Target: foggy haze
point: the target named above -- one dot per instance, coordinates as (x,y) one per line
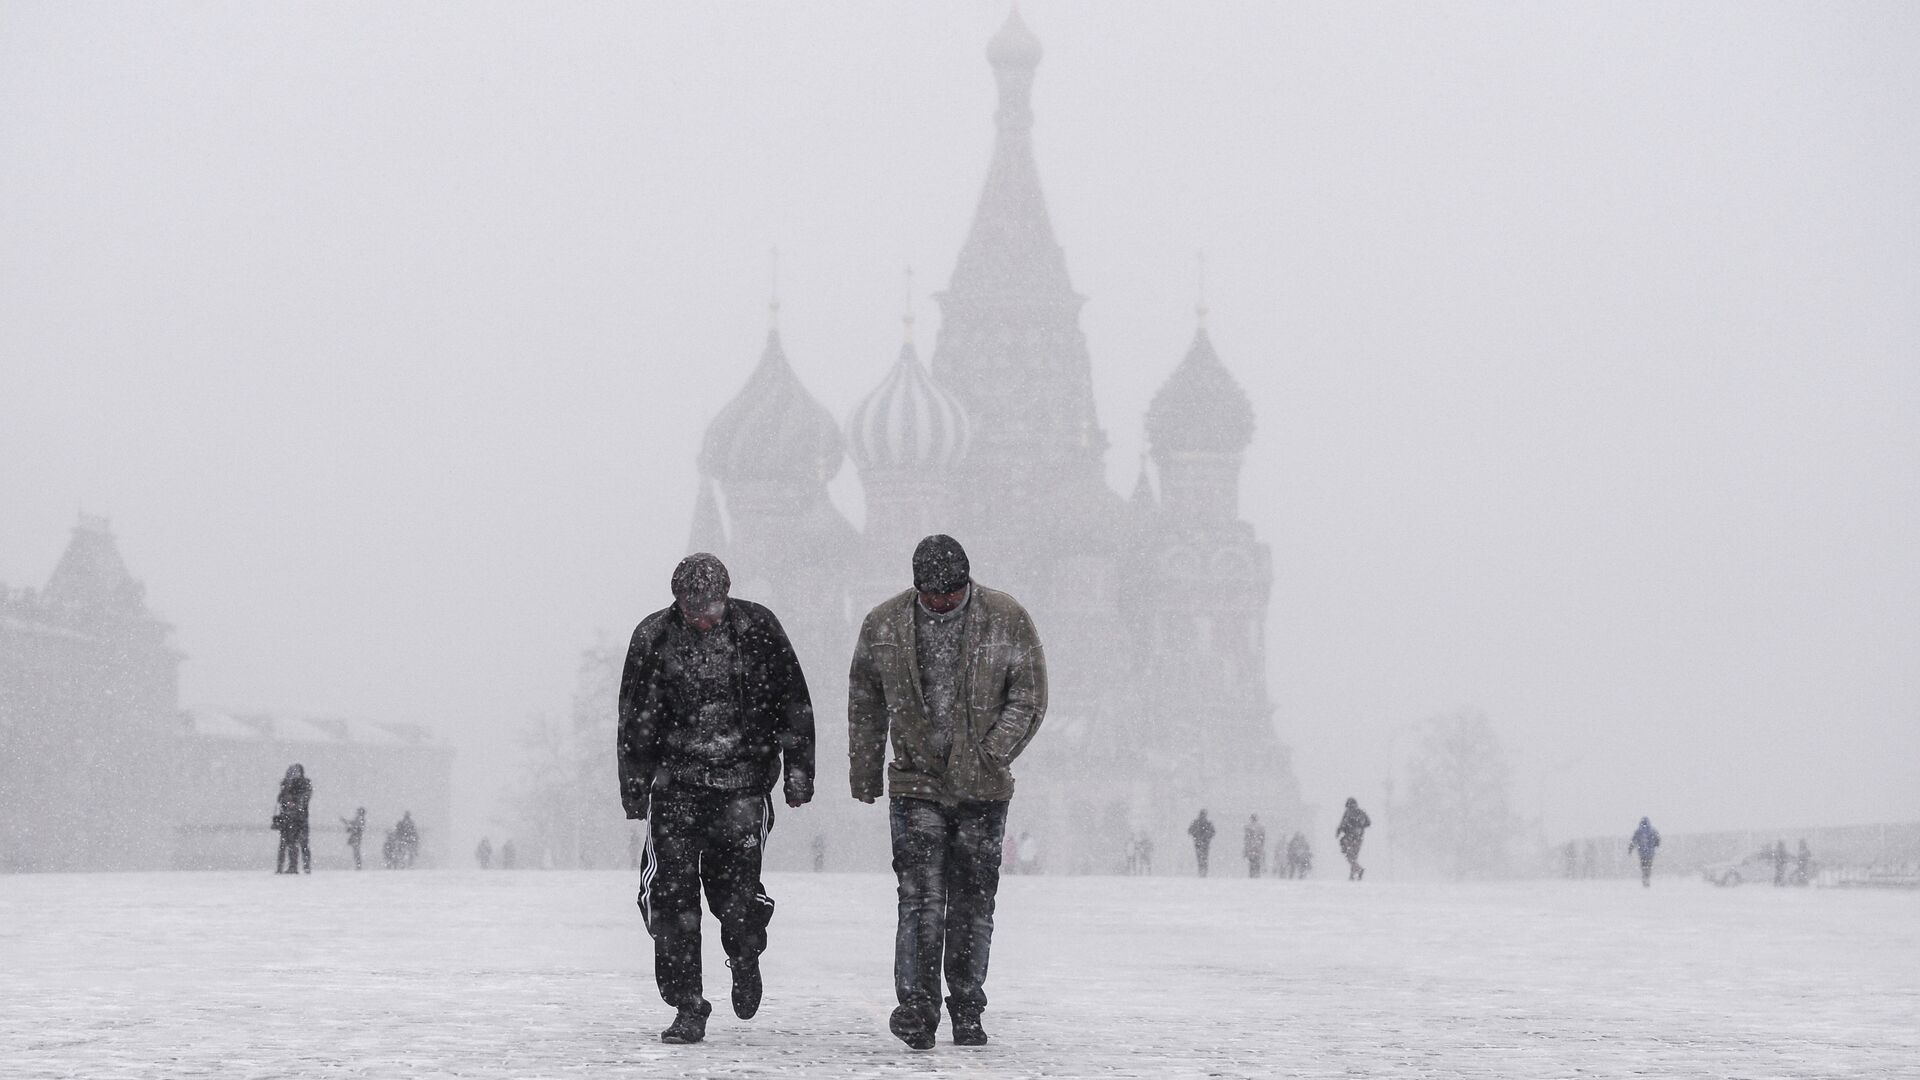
(1581,343)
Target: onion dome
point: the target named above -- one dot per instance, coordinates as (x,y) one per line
(772,430)
(908,422)
(1014,45)
(1200,408)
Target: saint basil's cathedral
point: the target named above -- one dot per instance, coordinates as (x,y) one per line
(1152,607)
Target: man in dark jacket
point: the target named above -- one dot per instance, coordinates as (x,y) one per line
(1352,830)
(1202,832)
(953,674)
(713,711)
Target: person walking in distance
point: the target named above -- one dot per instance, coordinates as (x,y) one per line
(483,853)
(1202,832)
(714,712)
(952,673)
(296,794)
(356,832)
(1645,839)
(406,841)
(1299,856)
(1352,830)
(1254,846)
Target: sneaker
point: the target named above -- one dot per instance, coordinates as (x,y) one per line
(967,1031)
(911,1026)
(689,1024)
(746,986)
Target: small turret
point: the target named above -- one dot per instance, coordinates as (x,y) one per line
(1198,427)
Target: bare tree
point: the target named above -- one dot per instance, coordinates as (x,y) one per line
(565,811)
(1457,814)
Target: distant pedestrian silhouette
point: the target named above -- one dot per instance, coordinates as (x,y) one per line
(1645,839)
(290,818)
(356,831)
(1028,853)
(1254,846)
(483,854)
(1351,832)
(1299,855)
(1202,832)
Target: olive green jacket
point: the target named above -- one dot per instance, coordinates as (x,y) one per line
(1002,696)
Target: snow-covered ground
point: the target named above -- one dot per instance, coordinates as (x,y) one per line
(549,974)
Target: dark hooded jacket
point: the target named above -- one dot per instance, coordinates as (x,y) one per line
(668,733)
(1645,839)
(1353,824)
(296,793)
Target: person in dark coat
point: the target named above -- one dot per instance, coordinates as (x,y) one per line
(714,712)
(483,853)
(296,793)
(1254,846)
(1645,840)
(356,832)
(1202,832)
(1351,831)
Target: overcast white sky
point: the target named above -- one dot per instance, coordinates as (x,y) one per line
(1582,339)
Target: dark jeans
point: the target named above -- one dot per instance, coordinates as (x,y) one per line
(700,837)
(948,861)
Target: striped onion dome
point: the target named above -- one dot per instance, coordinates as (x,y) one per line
(908,422)
(773,429)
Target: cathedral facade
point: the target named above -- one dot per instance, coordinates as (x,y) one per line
(1152,607)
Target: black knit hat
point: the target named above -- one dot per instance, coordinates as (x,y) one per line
(939,565)
(701,576)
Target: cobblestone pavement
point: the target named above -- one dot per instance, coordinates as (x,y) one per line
(549,975)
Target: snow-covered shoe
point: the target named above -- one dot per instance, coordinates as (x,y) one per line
(746,986)
(689,1024)
(911,1027)
(967,1030)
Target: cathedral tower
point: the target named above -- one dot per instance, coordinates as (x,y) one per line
(1202,583)
(1010,343)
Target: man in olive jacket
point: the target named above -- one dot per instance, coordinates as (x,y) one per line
(714,712)
(954,673)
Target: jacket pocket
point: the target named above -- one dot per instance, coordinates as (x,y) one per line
(993,778)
